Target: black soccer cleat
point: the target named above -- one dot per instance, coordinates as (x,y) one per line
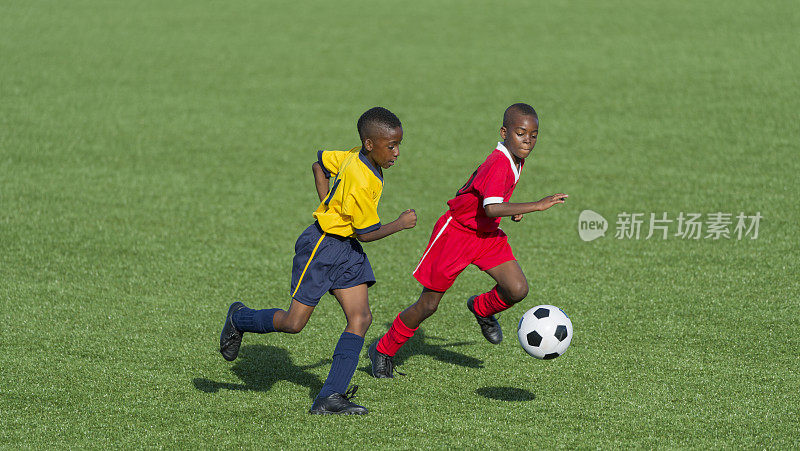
(338,404)
(231,338)
(382,364)
(489,326)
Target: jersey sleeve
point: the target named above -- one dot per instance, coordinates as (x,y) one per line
(491,183)
(360,206)
(330,161)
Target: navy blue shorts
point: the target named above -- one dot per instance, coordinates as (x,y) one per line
(325,263)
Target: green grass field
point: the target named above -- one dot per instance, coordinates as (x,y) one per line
(155,166)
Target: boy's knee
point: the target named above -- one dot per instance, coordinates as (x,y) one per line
(361,321)
(516,292)
(429,307)
(293,327)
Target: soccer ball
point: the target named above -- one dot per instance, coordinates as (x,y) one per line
(545,332)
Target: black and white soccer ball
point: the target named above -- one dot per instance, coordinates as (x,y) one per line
(545,332)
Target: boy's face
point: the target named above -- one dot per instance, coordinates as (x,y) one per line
(519,135)
(383,147)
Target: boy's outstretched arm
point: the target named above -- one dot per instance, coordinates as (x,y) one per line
(407,220)
(320,180)
(516,209)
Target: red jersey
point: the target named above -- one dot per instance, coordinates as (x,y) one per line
(492,183)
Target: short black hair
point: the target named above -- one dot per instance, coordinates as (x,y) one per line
(518,108)
(374,117)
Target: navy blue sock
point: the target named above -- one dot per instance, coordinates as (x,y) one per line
(345,360)
(258,321)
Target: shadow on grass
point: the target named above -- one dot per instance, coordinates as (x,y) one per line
(423,344)
(506,393)
(260,366)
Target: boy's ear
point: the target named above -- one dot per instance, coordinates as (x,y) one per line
(368,144)
(503,131)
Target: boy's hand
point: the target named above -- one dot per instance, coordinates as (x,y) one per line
(549,201)
(408,219)
(517,217)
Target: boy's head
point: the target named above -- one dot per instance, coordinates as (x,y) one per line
(381,132)
(520,129)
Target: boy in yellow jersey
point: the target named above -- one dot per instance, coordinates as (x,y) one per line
(329,258)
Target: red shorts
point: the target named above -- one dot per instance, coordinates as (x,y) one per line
(453,247)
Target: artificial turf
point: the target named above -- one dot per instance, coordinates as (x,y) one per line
(155,166)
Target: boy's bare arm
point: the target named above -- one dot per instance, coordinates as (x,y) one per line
(320,180)
(517,209)
(407,220)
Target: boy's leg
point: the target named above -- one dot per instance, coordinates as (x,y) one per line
(407,322)
(265,321)
(402,329)
(292,321)
(332,397)
(241,319)
(512,287)
(421,310)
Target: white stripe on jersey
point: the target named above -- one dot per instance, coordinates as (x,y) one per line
(492,200)
(432,243)
(503,149)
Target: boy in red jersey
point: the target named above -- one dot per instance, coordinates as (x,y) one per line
(468,233)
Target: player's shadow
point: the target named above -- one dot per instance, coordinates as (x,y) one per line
(260,366)
(506,393)
(423,344)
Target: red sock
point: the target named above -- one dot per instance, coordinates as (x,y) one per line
(395,338)
(489,303)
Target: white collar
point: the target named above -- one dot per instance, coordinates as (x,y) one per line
(503,149)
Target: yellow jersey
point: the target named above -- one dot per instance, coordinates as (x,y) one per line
(351,205)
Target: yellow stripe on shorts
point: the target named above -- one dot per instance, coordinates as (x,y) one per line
(308,263)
